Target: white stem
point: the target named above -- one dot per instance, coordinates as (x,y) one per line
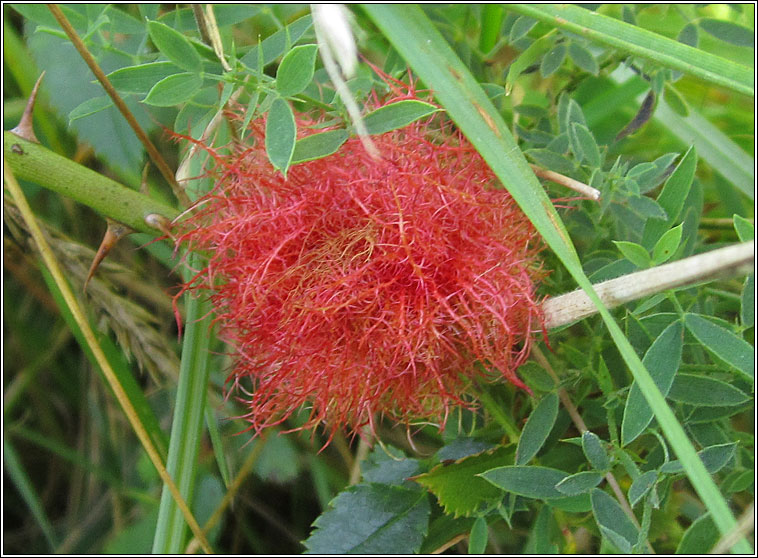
(581,187)
(568,308)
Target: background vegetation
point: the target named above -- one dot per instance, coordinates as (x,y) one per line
(664,131)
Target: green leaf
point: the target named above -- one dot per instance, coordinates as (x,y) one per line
(21,481)
(491,24)
(722,343)
(747,302)
(634,40)
(280,134)
(585,141)
(372,519)
(278,462)
(553,60)
(550,160)
(444,529)
(527,58)
(705,391)
(579,483)
(641,486)
(141,78)
(579,503)
(612,521)
(672,198)
(688,35)
(675,100)
(90,106)
(397,115)
(296,70)
(536,377)
(318,145)
(714,458)
(583,58)
(667,245)
(175,46)
(745,229)
(521,27)
(537,428)
(381,467)
(174,90)
(274,46)
(728,32)
(634,253)
(646,208)
(541,534)
(699,537)
(477,540)
(527,481)
(662,360)
(189,412)
(458,488)
(714,146)
(649,175)
(595,452)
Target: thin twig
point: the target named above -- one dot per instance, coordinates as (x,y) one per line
(576,418)
(155,155)
(581,187)
(568,308)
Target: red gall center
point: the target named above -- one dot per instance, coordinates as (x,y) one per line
(360,288)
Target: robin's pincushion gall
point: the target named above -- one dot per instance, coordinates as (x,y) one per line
(361,287)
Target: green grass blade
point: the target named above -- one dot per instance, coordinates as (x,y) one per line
(119,365)
(187,426)
(640,42)
(20,479)
(432,59)
(712,145)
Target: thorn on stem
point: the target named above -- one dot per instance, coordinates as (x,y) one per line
(115,232)
(25,128)
(161,223)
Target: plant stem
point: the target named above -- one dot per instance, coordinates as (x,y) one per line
(568,308)
(35,163)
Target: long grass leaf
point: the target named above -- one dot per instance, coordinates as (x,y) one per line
(712,145)
(432,59)
(640,42)
(118,363)
(187,426)
(25,488)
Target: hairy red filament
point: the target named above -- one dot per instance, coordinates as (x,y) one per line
(363,288)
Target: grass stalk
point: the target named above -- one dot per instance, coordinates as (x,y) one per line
(632,39)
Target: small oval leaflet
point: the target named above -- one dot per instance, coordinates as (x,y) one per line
(175,46)
(318,145)
(280,135)
(397,115)
(296,70)
(173,90)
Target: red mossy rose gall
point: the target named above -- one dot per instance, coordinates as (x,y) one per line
(364,288)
